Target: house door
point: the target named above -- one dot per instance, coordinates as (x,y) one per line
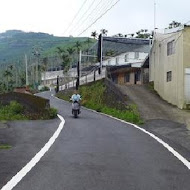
(187,85)
(135,78)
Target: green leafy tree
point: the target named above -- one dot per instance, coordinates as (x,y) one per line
(94,34)
(65,58)
(120,35)
(104,32)
(78,46)
(71,51)
(174,24)
(143,33)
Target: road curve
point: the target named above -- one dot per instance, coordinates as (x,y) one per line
(95,152)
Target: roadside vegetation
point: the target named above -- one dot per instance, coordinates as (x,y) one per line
(5,146)
(15,111)
(94,97)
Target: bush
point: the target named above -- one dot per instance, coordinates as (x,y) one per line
(44,88)
(13,111)
(52,113)
(15,107)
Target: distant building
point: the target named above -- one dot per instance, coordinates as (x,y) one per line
(128,65)
(49,78)
(170,65)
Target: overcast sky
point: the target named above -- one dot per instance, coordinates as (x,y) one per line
(55,16)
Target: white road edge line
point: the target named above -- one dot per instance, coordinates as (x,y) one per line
(167,146)
(18,177)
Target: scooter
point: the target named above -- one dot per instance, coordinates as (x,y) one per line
(75,109)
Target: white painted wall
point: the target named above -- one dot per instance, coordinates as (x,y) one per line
(121,59)
(161,63)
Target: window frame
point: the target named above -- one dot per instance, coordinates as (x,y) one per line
(126,57)
(117,60)
(169,76)
(171,48)
(127,77)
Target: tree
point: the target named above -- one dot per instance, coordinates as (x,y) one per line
(104,32)
(71,51)
(174,24)
(120,35)
(8,75)
(65,58)
(94,34)
(143,33)
(78,46)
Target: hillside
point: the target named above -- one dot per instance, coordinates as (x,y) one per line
(15,43)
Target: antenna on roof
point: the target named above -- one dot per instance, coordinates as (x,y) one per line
(154,16)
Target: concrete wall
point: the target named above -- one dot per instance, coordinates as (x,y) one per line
(186,61)
(161,63)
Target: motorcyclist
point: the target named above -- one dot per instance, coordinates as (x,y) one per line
(76,98)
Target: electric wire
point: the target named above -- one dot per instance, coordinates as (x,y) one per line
(103,7)
(75,16)
(99,17)
(83,20)
(89,7)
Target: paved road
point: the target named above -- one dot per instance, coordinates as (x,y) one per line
(95,152)
(154,107)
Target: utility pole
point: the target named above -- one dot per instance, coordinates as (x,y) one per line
(101,54)
(154,17)
(80,60)
(78,70)
(26,62)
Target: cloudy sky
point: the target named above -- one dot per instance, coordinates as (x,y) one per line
(73,17)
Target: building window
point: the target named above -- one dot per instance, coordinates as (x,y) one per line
(136,55)
(126,57)
(115,78)
(117,60)
(169,76)
(127,77)
(109,62)
(171,47)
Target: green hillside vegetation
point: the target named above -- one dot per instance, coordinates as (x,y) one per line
(50,52)
(15,43)
(93,97)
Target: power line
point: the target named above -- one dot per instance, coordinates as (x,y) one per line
(103,7)
(84,20)
(91,5)
(76,15)
(99,18)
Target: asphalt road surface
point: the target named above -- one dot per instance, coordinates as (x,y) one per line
(95,152)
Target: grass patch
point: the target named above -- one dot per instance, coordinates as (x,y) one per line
(13,111)
(93,97)
(5,146)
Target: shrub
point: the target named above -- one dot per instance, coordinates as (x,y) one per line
(15,107)
(52,113)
